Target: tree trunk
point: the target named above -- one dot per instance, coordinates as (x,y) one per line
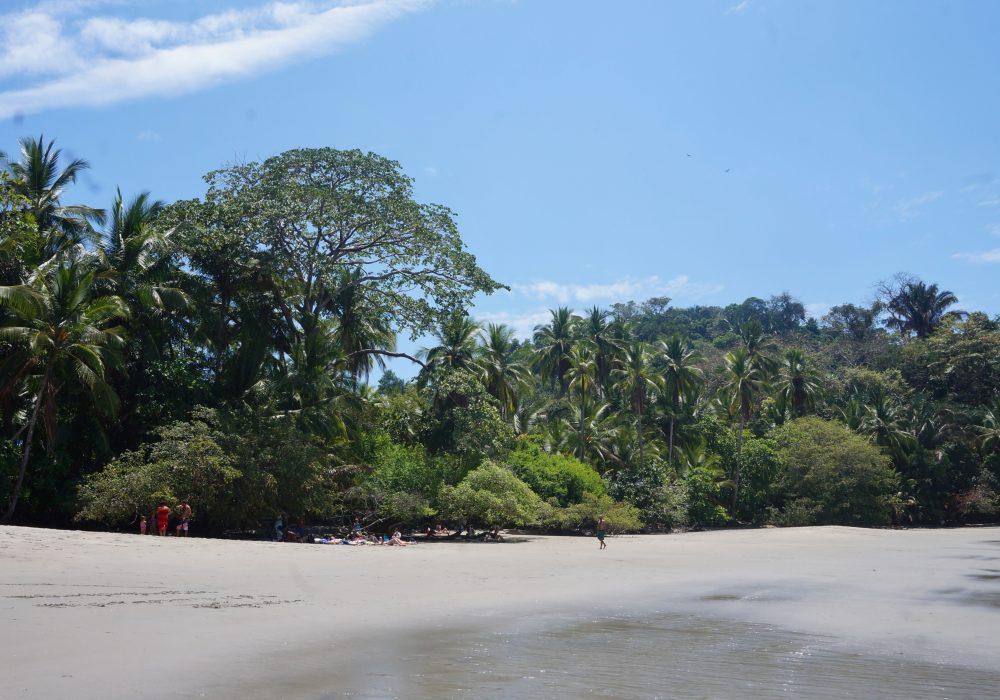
(670,450)
(642,450)
(27,454)
(739,453)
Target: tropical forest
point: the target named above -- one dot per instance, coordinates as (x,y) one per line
(242,351)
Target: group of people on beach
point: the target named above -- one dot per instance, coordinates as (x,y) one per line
(285,531)
(182,513)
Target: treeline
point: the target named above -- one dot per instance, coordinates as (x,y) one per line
(218,350)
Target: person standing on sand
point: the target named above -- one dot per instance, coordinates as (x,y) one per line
(142,524)
(184,515)
(601,527)
(162,519)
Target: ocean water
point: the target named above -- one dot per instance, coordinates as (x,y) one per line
(659,656)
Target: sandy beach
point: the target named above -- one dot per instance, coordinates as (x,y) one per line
(93,615)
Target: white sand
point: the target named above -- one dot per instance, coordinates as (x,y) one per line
(90,615)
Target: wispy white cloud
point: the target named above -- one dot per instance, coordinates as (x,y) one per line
(739,8)
(991,201)
(907,209)
(620,291)
(986,256)
(994,229)
(522,324)
(979,181)
(102,60)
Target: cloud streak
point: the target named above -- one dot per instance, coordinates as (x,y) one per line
(522,324)
(619,291)
(907,209)
(986,256)
(108,59)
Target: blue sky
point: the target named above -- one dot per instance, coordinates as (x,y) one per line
(832,143)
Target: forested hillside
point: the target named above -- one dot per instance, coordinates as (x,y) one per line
(219,350)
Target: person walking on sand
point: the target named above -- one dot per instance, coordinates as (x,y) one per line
(162,519)
(184,518)
(601,527)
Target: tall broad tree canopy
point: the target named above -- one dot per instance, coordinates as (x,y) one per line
(315,221)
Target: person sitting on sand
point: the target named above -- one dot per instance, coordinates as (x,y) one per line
(397,540)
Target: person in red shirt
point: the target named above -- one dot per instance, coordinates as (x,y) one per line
(162,519)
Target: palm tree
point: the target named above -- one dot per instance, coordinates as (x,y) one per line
(885,425)
(307,385)
(503,374)
(696,456)
(853,412)
(920,308)
(680,377)
(745,381)
(136,254)
(457,345)
(989,429)
(363,334)
(582,377)
(589,433)
(61,332)
(797,383)
(929,423)
(39,178)
(600,332)
(554,342)
(776,409)
(638,380)
(759,345)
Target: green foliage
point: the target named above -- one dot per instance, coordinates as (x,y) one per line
(831,476)
(705,496)
(189,462)
(760,465)
(468,422)
(233,468)
(961,364)
(491,495)
(271,299)
(667,507)
(557,476)
(619,517)
(405,480)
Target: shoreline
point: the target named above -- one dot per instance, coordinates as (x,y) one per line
(107,615)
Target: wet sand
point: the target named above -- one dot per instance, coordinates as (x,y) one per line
(93,615)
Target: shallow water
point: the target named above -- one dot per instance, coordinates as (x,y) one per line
(664,656)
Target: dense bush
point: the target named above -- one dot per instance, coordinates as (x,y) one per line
(234,468)
(556,476)
(491,495)
(831,475)
(619,517)
(405,480)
